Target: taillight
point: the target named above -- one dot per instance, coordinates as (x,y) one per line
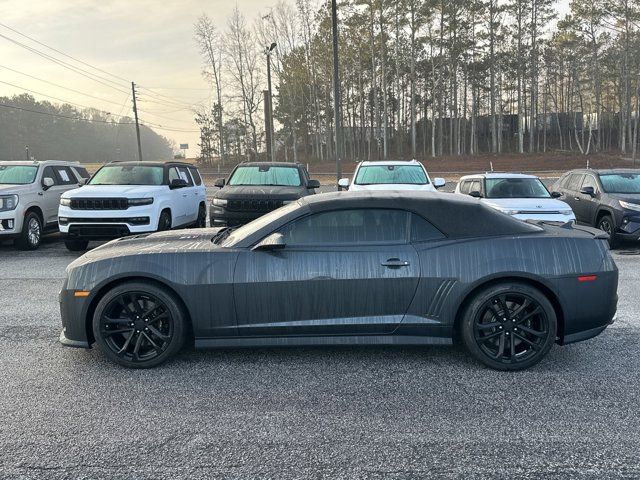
(587,278)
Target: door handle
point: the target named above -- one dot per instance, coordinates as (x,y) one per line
(576,198)
(395,263)
(184,194)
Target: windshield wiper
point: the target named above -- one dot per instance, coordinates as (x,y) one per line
(221,235)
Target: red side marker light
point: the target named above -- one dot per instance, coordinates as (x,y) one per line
(587,278)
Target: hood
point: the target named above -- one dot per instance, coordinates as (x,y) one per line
(261,191)
(162,242)
(540,205)
(15,189)
(626,197)
(100,191)
(421,188)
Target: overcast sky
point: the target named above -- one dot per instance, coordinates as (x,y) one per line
(147,41)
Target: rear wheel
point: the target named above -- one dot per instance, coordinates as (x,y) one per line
(139,325)
(164,223)
(606,225)
(202,217)
(76,245)
(31,234)
(509,326)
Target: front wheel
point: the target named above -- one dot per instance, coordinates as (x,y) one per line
(76,245)
(201,222)
(509,326)
(31,234)
(606,225)
(139,325)
(164,223)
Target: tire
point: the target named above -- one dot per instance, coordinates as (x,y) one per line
(76,245)
(201,222)
(31,233)
(164,222)
(607,225)
(501,336)
(139,325)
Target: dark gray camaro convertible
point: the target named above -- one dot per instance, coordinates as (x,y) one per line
(347,268)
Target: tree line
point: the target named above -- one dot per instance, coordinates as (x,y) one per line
(64,132)
(424,78)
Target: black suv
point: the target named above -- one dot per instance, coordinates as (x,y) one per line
(256,188)
(607,199)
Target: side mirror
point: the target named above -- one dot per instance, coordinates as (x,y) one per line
(588,191)
(275,241)
(47,183)
(83,181)
(556,194)
(220,182)
(475,194)
(343,183)
(178,183)
(313,184)
(439,182)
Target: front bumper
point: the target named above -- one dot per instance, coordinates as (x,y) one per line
(629,228)
(106,224)
(553,217)
(11,223)
(221,217)
(73,312)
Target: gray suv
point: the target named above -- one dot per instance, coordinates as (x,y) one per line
(29,198)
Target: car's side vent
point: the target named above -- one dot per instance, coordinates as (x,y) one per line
(435,308)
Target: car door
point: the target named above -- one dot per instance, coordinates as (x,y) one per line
(179,200)
(341,272)
(190,196)
(200,191)
(51,196)
(587,207)
(571,195)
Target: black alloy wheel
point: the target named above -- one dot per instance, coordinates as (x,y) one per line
(202,217)
(607,226)
(31,232)
(75,245)
(509,327)
(139,325)
(164,223)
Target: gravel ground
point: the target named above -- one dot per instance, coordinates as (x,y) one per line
(392,413)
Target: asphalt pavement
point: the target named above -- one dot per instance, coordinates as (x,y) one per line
(351,413)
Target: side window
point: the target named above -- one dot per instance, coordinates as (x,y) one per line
(64,176)
(574,182)
(476,186)
(464,187)
(185,175)
(173,174)
(345,227)
(564,180)
(422,230)
(196,175)
(82,172)
(49,173)
(589,181)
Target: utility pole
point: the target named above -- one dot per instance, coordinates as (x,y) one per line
(336,91)
(270,105)
(267,123)
(135,113)
(26,147)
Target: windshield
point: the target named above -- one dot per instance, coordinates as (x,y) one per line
(516,188)
(391,174)
(266,175)
(17,174)
(621,183)
(252,227)
(128,175)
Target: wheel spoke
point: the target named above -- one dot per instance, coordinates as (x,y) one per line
(531,331)
(490,336)
(512,348)
(125,307)
(162,316)
(136,347)
(158,333)
(534,345)
(115,320)
(108,333)
(485,326)
(502,302)
(126,344)
(521,308)
(158,348)
(532,313)
(500,346)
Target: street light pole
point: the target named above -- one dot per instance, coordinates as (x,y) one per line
(336,91)
(270,139)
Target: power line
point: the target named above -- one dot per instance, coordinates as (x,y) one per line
(59,86)
(57,115)
(62,53)
(68,66)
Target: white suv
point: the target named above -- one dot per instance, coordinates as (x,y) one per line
(522,196)
(391,175)
(29,197)
(124,198)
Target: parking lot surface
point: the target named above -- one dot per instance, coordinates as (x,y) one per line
(349,412)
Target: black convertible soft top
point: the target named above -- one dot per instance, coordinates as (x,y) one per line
(455,215)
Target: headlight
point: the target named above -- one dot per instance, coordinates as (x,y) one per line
(136,202)
(219,202)
(630,206)
(566,212)
(509,212)
(65,202)
(8,202)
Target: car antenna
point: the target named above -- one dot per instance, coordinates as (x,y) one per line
(587,163)
(491,165)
